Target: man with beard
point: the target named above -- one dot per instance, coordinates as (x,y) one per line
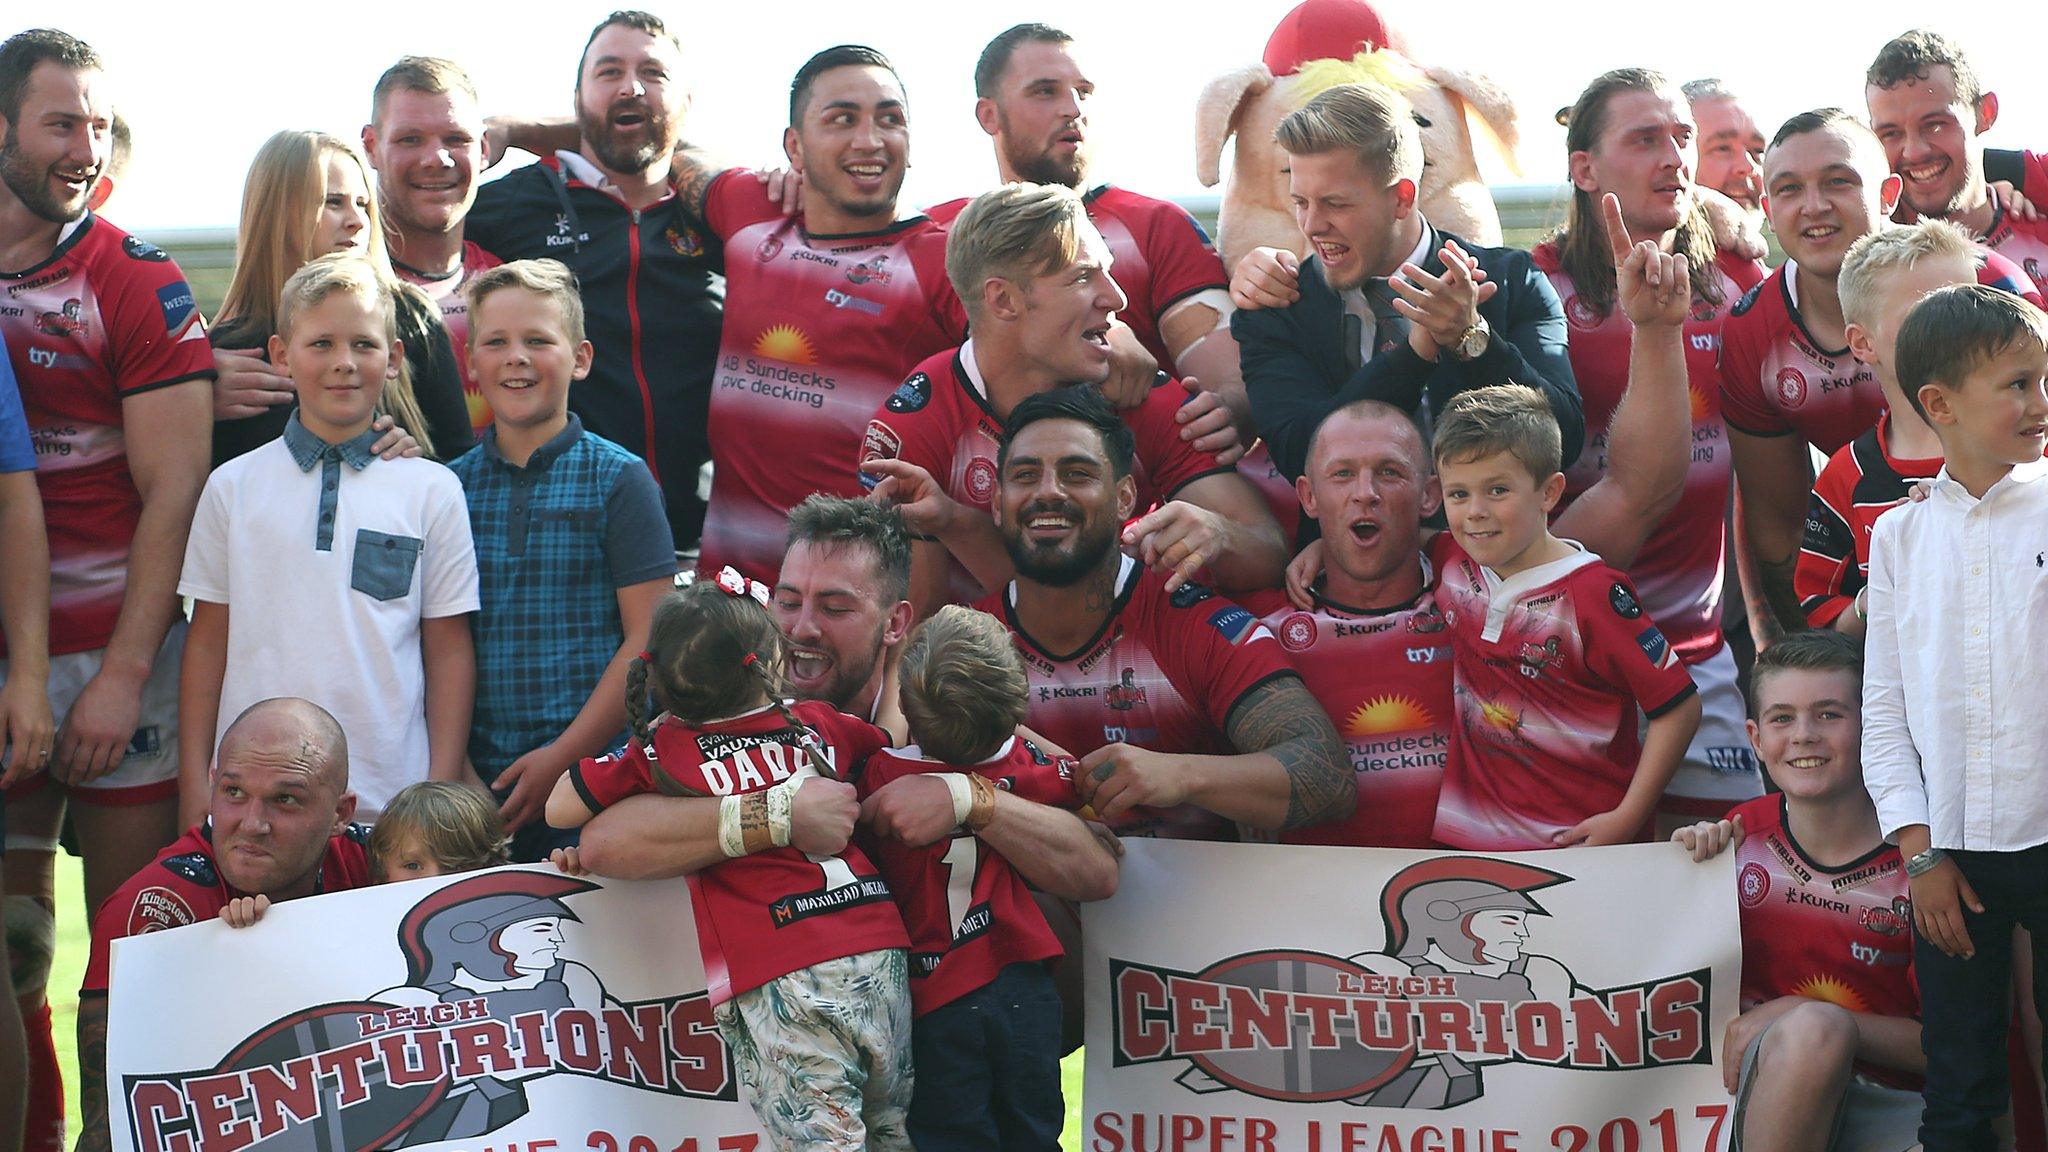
(103,333)
(278,825)
(1031,97)
(425,138)
(1180,704)
(1039,283)
(609,210)
(1930,110)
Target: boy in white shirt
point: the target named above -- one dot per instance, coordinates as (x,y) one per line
(1955,734)
(318,570)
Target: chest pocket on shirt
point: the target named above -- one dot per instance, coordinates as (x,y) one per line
(384,564)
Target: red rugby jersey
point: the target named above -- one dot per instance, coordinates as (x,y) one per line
(775,911)
(1257,466)
(941,420)
(1385,679)
(183,885)
(819,331)
(1679,568)
(1777,380)
(1552,665)
(1159,256)
(1861,482)
(2024,242)
(446,291)
(1842,934)
(968,911)
(1165,672)
(106,317)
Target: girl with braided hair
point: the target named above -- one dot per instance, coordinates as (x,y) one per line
(804,952)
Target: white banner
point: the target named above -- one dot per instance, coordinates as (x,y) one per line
(1281,999)
(516,1010)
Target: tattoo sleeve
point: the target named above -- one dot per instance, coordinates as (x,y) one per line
(693,174)
(93,1133)
(1281,719)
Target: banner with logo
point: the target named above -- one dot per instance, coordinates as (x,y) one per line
(515,1010)
(1253,999)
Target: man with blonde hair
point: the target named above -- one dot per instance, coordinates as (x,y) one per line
(1038,284)
(1387,307)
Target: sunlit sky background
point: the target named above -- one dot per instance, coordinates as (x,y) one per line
(204,85)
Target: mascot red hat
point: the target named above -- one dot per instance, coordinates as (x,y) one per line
(1328,30)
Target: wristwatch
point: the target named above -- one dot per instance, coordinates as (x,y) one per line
(1921,863)
(1472,342)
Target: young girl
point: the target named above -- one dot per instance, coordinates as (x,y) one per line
(309,194)
(432,828)
(804,953)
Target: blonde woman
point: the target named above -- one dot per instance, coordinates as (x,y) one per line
(309,194)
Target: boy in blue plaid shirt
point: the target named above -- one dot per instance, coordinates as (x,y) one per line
(572,546)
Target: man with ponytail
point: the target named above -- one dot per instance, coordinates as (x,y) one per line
(1631,137)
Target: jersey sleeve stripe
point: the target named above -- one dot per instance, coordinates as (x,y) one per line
(1691,689)
(1230,713)
(1182,486)
(203,374)
(1732,422)
(583,790)
(1167,305)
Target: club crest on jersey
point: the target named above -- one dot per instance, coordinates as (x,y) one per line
(911,395)
(1624,602)
(981,479)
(1791,386)
(1456,990)
(1892,921)
(139,249)
(1581,314)
(1535,658)
(1753,885)
(494,1001)
(770,248)
(1298,632)
(1126,694)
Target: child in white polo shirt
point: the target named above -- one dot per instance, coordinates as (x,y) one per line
(318,570)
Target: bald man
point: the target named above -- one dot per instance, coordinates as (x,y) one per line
(278,825)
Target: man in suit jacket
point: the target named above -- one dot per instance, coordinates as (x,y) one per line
(1386,307)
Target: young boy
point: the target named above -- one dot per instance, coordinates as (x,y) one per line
(573,550)
(1956,740)
(1883,275)
(986,1036)
(318,570)
(1551,649)
(1826,1053)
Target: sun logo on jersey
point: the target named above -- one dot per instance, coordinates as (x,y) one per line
(787,343)
(1831,991)
(1388,714)
(1698,401)
(1499,716)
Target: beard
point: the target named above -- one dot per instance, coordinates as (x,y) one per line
(1060,566)
(850,673)
(613,147)
(1039,167)
(31,185)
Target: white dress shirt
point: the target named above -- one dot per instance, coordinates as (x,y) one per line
(1955,682)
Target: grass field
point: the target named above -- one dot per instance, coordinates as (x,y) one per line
(70,966)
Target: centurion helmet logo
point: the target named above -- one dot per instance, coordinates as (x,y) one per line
(491,1002)
(1453,990)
